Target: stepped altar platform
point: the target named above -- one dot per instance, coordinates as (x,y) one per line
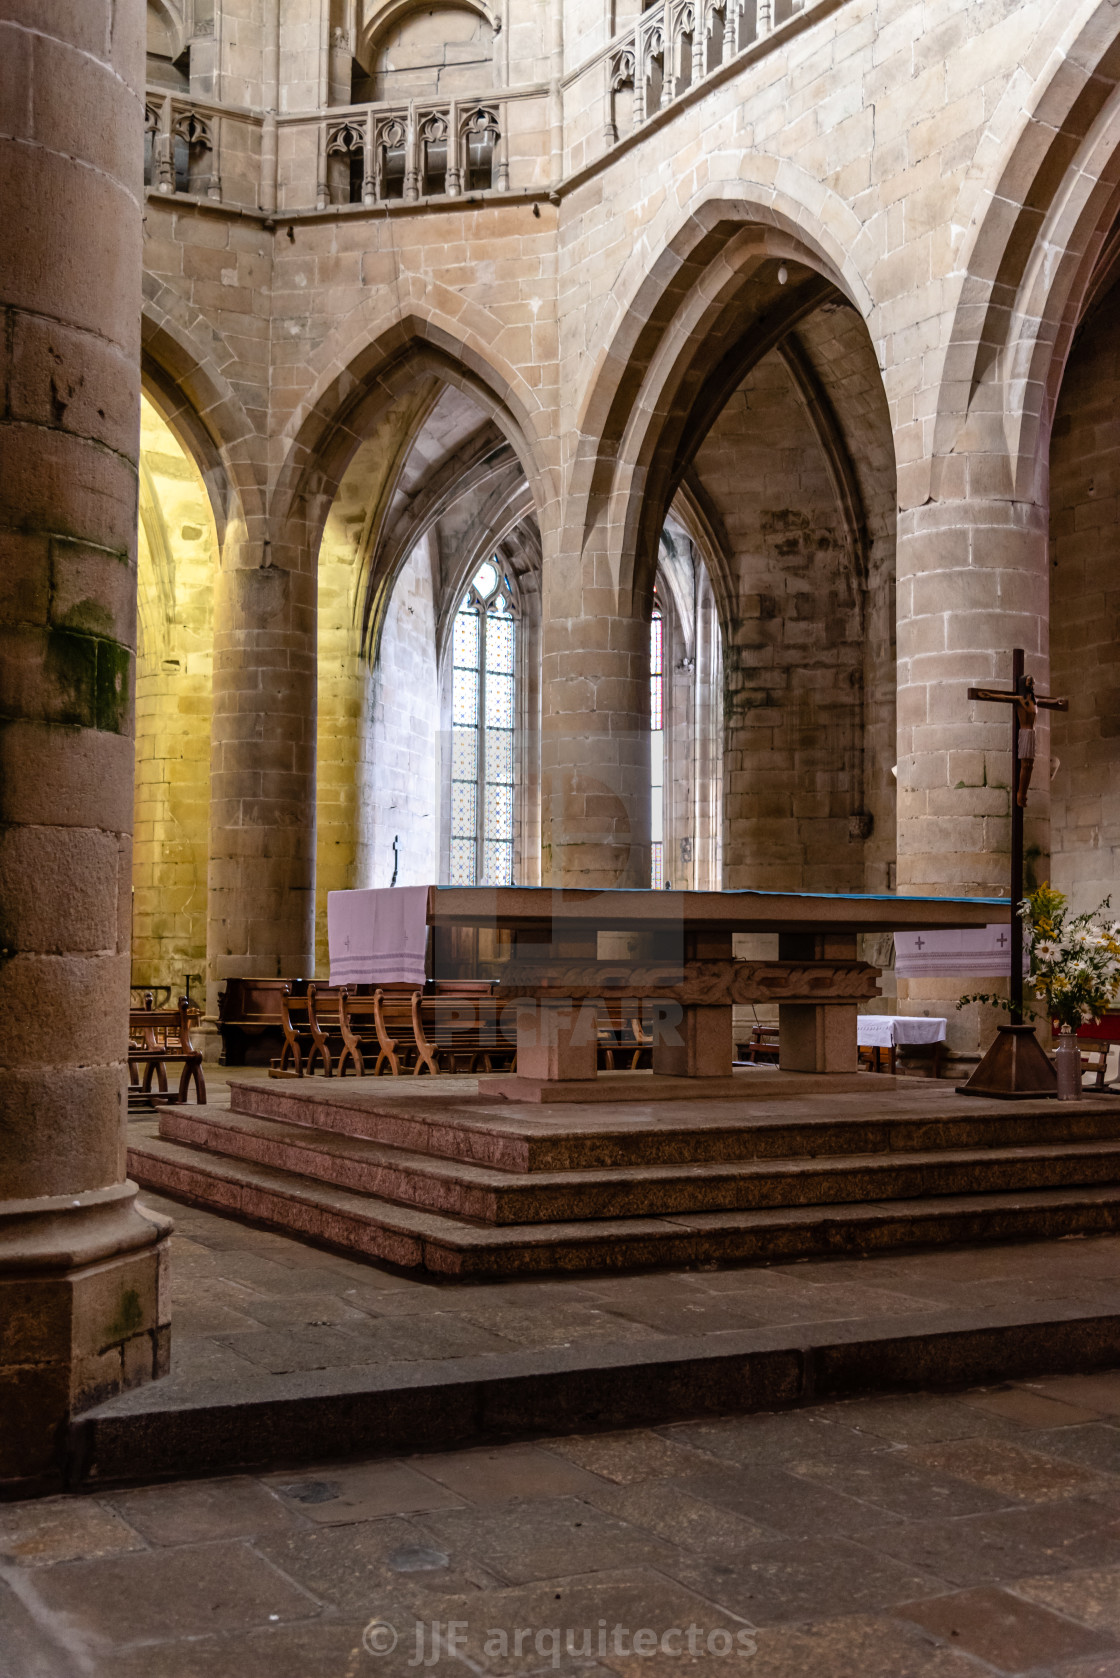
(436,1178)
(671,955)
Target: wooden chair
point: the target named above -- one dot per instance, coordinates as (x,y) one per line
(624,1045)
(399,1049)
(763,1046)
(1094,1059)
(357,1019)
(458,1028)
(324,1019)
(159,1037)
(299,1039)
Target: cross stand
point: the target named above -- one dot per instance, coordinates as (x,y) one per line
(1016,1068)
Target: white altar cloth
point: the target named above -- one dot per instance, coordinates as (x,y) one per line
(979,952)
(378,937)
(885,1031)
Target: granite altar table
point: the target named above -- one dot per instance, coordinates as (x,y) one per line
(679,969)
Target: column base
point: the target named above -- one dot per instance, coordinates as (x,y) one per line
(84,1315)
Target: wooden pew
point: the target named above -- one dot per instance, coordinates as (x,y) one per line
(377,1030)
(400,1038)
(159,1037)
(458,1028)
(324,1019)
(623,1044)
(299,1039)
(250,1019)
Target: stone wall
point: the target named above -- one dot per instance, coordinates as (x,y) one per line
(1085,618)
(175,645)
(896,154)
(401,762)
(794,654)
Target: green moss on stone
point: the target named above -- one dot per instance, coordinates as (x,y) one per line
(114,666)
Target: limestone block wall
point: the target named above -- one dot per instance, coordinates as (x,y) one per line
(1085,617)
(403,739)
(794,655)
(869,144)
(244,35)
(449,50)
(175,589)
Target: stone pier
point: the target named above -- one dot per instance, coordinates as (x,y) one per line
(82,1314)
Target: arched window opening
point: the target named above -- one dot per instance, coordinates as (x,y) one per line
(657,746)
(483,724)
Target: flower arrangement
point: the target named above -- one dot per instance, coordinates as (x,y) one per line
(1075,959)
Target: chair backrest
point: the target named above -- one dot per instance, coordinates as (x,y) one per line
(294,1013)
(394,1014)
(1094,1054)
(163,1028)
(324,1008)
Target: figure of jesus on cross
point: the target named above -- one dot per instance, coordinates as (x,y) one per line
(1025,705)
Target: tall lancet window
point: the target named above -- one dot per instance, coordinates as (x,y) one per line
(657,746)
(483,720)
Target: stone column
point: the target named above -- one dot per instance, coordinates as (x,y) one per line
(972,585)
(81,1311)
(261,910)
(595,766)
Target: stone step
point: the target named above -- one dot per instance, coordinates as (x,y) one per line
(363,1224)
(193,1423)
(869,1115)
(482,1194)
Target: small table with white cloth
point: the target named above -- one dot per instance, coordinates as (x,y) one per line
(887,1031)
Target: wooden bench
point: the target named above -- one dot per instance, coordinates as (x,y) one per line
(159,1037)
(250,1019)
(400,1036)
(458,1028)
(299,1039)
(623,1043)
(324,1017)
(381,1028)
(762,1048)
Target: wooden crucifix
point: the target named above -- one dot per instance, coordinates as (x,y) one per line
(1025,705)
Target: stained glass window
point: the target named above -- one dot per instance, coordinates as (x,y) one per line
(483,720)
(657,748)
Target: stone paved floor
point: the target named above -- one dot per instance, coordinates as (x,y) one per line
(250,1306)
(916,1537)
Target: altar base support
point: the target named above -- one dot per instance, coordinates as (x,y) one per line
(557,1042)
(817,1037)
(813,1037)
(701,1046)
